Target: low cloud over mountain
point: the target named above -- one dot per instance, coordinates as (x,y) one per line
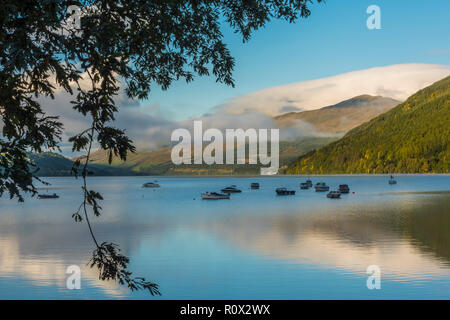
(150,126)
(397,82)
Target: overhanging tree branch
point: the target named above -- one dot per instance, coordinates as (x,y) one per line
(135,44)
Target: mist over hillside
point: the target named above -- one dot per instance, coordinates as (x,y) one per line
(413,137)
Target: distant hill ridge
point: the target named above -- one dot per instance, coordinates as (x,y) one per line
(341,117)
(325,125)
(331,121)
(364,100)
(158,162)
(410,138)
(54,164)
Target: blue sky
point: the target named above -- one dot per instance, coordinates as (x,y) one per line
(333,40)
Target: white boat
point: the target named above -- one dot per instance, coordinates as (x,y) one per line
(321,187)
(214,196)
(150,185)
(334,195)
(392,180)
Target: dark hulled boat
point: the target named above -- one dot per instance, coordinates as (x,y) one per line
(284,192)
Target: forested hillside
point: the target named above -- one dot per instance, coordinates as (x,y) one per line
(410,138)
(53,164)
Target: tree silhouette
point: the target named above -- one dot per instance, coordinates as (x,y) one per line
(49,45)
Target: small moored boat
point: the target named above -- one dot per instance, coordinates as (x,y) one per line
(254,185)
(334,195)
(214,196)
(48,196)
(150,185)
(284,192)
(309,183)
(231,189)
(321,187)
(392,180)
(343,188)
(304,186)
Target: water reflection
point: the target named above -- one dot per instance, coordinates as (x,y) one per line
(40,254)
(195,249)
(406,241)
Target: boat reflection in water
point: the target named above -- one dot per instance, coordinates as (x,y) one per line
(269,247)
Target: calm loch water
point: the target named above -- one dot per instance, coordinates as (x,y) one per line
(255,245)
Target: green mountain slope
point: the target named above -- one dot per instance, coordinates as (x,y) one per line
(158,162)
(410,138)
(331,122)
(52,164)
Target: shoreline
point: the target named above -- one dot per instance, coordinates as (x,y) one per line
(264,176)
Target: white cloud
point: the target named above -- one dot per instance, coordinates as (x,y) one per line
(151,126)
(396,81)
(147,127)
